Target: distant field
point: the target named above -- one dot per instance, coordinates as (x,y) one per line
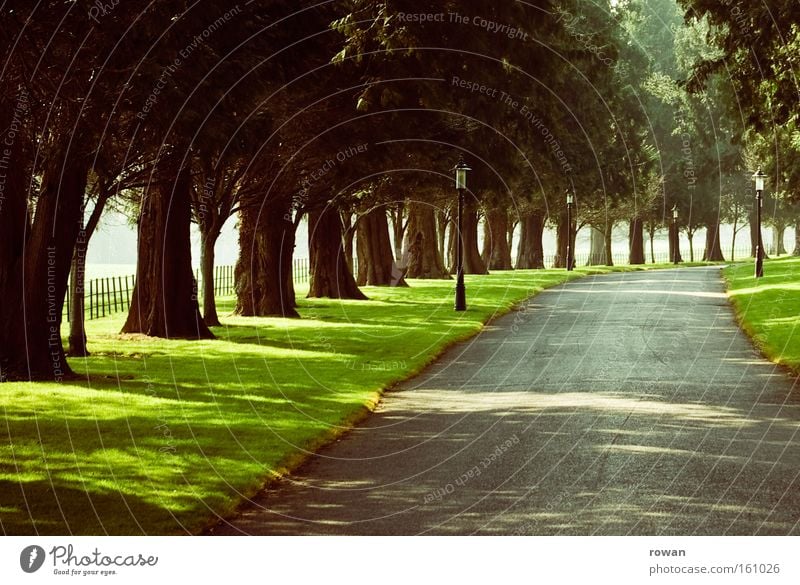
(108,270)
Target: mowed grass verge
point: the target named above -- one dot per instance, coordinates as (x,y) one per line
(768,309)
(165,436)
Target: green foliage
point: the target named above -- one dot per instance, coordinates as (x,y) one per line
(754,43)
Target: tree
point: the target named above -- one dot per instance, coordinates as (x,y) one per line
(330,275)
(64,121)
(755,46)
(164,298)
(496,249)
(530,252)
(376,261)
(423,258)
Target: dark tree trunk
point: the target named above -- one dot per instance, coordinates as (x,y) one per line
(49,253)
(348,237)
(778,247)
(422,258)
(14,226)
(330,275)
(636,241)
(208,240)
(77,315)
(530,253)
(690,237)
(496,252)
(263,274)
(164,299)
(713,251)
(651,233)
(607,242)
(77,280)
(376,264)
(674,243)
(796,251)
(473,264)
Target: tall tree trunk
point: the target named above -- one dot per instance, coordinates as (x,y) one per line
(796,251)
(735,232)
(263,273)
(164,299)
(778,232)
(530,252)
(422,258)
(77,280)
(48,261)
(473,264)
(713,251)
(14,227)
(348,238)
(674,243)
(496,252)
(597,248)
(208,240)
(376,264)
(330,275)
(77,314)
(651,233)
(636,241)
(607,244)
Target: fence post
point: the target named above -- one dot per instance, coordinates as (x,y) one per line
(108,295)
(121,305)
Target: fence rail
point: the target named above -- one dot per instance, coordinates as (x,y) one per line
(112,294)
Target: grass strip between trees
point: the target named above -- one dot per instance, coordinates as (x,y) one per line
(768,309)
(164,436)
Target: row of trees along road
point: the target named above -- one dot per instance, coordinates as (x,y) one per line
(350,115)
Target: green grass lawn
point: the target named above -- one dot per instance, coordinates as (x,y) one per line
(162,436)
(769,308)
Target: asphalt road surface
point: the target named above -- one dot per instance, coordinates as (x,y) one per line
(626,403)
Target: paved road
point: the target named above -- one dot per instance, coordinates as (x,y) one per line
(619,404)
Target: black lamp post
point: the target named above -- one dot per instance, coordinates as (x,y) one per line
(759,177)
(461,170)
(570,202)
(675,236)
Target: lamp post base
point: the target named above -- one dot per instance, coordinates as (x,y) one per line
(461,294)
